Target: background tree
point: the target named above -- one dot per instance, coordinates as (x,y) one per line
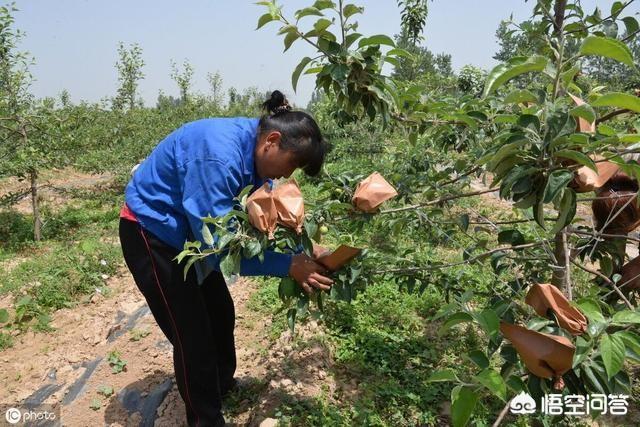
(420,62)
(183,78)
(511,41)
(471,80)
(215,86)
(130,73)
(414,17)
(29,131)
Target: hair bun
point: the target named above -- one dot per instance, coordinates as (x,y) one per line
(277,103)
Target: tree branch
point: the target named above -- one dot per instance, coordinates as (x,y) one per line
(611,115)
(467,261)
(606,279)
(437,201)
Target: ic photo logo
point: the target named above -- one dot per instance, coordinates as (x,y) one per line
(13,415)
(41,414)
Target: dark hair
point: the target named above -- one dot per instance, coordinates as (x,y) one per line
(611,198)
(300,132)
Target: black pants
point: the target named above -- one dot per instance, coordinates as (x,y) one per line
(197,319)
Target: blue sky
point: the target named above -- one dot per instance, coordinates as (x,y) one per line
(74,42)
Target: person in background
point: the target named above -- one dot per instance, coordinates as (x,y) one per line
(196,171)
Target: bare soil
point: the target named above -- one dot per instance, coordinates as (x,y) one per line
(66,367)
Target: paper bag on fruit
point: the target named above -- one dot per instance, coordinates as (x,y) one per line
(545,355)
(372,192)
(339,258)
(289,205)
(544,297)
(262,211)
(586,179)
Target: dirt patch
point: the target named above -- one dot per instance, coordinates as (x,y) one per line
(68,366)
(52,187)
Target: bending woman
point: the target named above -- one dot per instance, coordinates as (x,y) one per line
(195,171)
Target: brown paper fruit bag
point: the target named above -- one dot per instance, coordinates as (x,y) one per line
(372,192)
(262,210)
(586,179)
(545,355)
(544,297)
(338,258)
(289,205)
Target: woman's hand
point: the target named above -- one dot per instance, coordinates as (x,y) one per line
(319,251)
(309,274)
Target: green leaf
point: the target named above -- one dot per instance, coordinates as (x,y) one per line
(567,210)
(631,24)
(4,315)
(568,76)
(206,235)
(105,390)
(631,340)
(612,352)
(479,358)
(252,249)
(227,266)
(578,157)
(538,213)
(626,316)
(265,19)
(399,52)
(591,309)
(463,402)
(513,237)
(291,318)
(556,182)
(321,25)
(453,320)
(351,9)
(324,4)
(618,100)
(442,375)
(515,67)
(488,320)
(463,222)
(308,11)
(607,47)
(225,240)
(494,382)
(296,73)
(288,288)
(245,192)
(289,39)
(519,96)
(584,111)
(379,39)
(188,265)
(351,38)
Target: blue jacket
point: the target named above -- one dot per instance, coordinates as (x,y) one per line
(197,171)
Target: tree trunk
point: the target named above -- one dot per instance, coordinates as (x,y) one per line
(562,273)
(559,272)
(559,10)
(37,223)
